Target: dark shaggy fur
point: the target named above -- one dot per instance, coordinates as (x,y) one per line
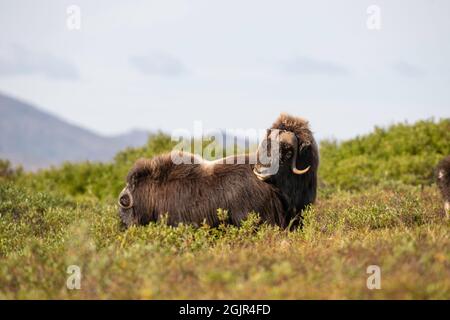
(298,190)
(443,181)
(192,193)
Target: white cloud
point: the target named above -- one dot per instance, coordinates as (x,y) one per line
(17,60)
(406,69)
(310,66)
(158,63)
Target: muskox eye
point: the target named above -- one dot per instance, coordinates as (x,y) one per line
(289,154)
(125,201)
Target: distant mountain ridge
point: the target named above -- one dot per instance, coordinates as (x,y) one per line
(37,139)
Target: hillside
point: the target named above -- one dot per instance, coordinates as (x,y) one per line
(36,139)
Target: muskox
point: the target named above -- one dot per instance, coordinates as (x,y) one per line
(191,193)
(443,182)
(298,149)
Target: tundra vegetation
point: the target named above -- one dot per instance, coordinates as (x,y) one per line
(377,205)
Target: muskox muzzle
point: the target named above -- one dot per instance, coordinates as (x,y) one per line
(126,207)
(126,199)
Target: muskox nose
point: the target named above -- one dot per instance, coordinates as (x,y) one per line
(125,201)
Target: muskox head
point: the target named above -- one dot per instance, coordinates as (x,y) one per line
(298,161)
(126,203)
(278,153)
(133,199)
(289,142)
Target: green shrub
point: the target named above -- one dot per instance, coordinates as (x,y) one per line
(401,152)
(8,172)
(399,228)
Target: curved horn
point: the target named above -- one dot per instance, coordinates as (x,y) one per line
(294,161)
(296,171)
(127,192)
(260,176)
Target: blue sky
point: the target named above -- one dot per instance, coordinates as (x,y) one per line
(231,64)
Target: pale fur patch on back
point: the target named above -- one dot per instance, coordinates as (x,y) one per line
(208,165)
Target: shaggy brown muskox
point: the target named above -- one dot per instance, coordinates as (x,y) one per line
(443,182)
(298,149)
(192,193)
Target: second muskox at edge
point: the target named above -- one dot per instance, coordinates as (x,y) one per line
(192,193)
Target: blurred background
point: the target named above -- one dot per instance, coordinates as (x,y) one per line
(84,79)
